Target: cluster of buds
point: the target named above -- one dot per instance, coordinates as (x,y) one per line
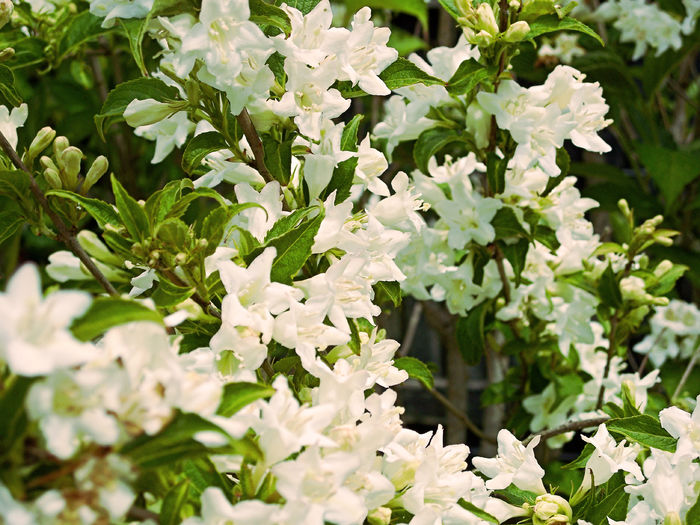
(480,25)
(63,170)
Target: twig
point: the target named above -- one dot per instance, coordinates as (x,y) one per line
(686,373)
(460,415)
(568,427)
(255,143)
(411,328)
(66,236)
(502,273)
(611,353)
(137,513)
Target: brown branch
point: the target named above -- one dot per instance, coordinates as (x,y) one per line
(137,513)
(568,427)
(65,235)
(255,143)
(460,415)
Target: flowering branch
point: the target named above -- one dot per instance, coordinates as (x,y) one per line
(573,425)
(66,236)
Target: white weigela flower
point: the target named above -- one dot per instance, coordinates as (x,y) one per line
(609,457)
(34,335)
(11,120)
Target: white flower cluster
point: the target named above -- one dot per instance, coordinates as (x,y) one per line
(540,118)
(647,25)
(675,333)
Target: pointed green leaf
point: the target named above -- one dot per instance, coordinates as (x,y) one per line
(430,142)
(132,214)
(348,140)
(174,500)
(470,334)
(416,369)
(469,74)
(102,212)
(199,147)
(482,514)
(106,312)
(551,23)
(643,429)
(238,395)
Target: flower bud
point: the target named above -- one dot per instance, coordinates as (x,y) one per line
(517,31)
(180,258)
(51,176)
(514,5)
(40,142)
(92,244)
(59,145)
(550,509)
(663,267)
(6,8)
(47,163)
(98,168)
(486,20)
(633,289)
(69,161)
(146,112)
(379,516)
(624,207)
(7,54)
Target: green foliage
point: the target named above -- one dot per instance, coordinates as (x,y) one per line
(643,429)
(481,514)
(238,395)
(106,312)
(470,334)
(552,23)
(416,369)
(400,74)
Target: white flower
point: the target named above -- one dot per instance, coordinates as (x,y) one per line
(10,121)
(111,9)
(514,464)
(684,427)
(609,457)
(34,336)
(168,133)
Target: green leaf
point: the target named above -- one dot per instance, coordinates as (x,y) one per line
(159,204)
(199,147)
(417,8)
(121,96)
(469,74)
(13,417)
(293,249)
(609,288)
(582,459)
(416,369)
(643,429)
(341,180)
(15,184)
(692,517)
(132,214)
(263,13)
(667,281)
(135,30)
(348,140)
(174,443)
(278,159)
(305,6)
(401,73)
(174,500)
(430,142)
(238,395)
(106,312)
(8,93)
(551,23)
(180,207)
(168,294)
(470,334)
(671,170)
(81,28)
(202,474)
(102,212)
(10,223)
(516,254)
(496,173)
(288,222)
(506,224)
(388,290)
(450,7)
(613,505)
(482,514)
(516,496)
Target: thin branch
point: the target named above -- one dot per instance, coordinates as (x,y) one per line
(563,429)
(137,513)
(460,415)
(686,373)
(255,143)
(411,329)
(611,353)
(66,236)
(502,273)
